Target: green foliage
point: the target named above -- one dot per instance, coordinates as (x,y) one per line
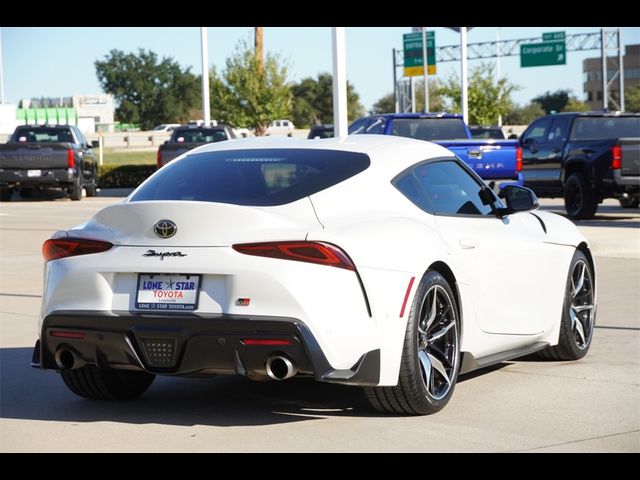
(124,176)
(487,99)
(383,105)
(437,102)
(523,115)
(631,98)
(245,95)
(313,101)
(553,102)
(148,91)
(575,105)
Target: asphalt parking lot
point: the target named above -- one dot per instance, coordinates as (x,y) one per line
(524,405)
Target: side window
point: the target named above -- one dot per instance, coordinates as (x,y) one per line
(81,138)
(444,188)
(537,132)
(559,131)
(358,126)
(376,126)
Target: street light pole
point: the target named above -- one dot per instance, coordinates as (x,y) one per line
(426,68)
(339,83)
(205,76)
(463,73)
(498,68)
(1,74)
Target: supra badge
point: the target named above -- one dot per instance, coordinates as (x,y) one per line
(165,229)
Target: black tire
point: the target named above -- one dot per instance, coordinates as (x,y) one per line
(574,342)
(412,395)
(5,194)
(75,191)
(91,188)
(580,200)
(629,202)
(26,192)
(106,384)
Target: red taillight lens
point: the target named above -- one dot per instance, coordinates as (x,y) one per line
(68,247)
(311,252)
(266,341)
(71,158)
(159,159)
(65,334)
(616,157)
(518,159)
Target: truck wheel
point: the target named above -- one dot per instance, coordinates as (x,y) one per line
(579,199)
(91,188)
(629,202)
(26,192)
(75,192)
(5,194)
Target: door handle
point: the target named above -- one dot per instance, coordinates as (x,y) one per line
(468,243)
(588,151)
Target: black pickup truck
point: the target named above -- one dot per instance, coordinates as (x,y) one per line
(39,156)
(585,158)
(188,137)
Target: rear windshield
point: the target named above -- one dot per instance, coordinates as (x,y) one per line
(429,128)
(252,177)
(593,128)
(204,135)
(42,135)
(484,132)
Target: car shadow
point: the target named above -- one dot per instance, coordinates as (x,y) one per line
(46,194)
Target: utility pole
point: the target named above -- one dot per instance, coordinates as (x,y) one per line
(621,69)
(2,74)
(498,68)
(426,68)
(204,48)
(258,46)
(395,83)
(603,50)
(463,74)
(340,120)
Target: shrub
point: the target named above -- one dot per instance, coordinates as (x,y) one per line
(124,176)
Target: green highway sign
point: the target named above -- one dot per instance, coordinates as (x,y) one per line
(414,56)
(553,36)
(540,54)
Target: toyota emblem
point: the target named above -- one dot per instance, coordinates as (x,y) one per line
(165,229)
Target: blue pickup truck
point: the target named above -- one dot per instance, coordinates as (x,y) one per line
(498,161)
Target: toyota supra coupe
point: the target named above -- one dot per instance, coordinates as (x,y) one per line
(375,261)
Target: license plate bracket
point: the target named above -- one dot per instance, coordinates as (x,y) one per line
(168,292)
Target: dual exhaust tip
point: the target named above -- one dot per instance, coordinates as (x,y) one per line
(280,368)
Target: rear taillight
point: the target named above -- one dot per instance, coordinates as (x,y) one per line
(71,158)
(159,159)
(266,342)
(66,334)
(616,157)
(518,159)
(68,247)
(311,252)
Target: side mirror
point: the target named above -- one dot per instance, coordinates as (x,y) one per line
(526,141)
(95,143)
(518,199)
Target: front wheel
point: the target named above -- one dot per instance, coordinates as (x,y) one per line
(106,384)
(431,354)
(75,191)
(578,313)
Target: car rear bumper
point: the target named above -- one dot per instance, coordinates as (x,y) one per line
(46,178)
(188,344)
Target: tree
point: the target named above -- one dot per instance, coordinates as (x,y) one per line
(246,95)
(148,91)
(553,102)
(632,98)
(487,99)
(575,105)
(313,101)
(523,115)
(385,104)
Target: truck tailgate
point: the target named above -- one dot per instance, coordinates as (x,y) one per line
(31,156)
(630,157)
(491,159)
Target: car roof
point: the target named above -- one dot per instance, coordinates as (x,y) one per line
(417,115)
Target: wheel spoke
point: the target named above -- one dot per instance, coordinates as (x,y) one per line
(437,365)
(442,331)
(577,326)
(434,308)
(580,284)
(426,367)
(581,308)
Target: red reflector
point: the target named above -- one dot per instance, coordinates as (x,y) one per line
(63,334)
(71,158)
(311,252)
(159,159)
(616,157)
(518,159)
(266,341)
(406,296)
(67,247)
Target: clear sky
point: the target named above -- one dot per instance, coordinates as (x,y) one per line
(59,61)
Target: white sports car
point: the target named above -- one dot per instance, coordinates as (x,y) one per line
(375,261)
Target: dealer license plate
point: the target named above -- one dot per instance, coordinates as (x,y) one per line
(34,173)
(167,292)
